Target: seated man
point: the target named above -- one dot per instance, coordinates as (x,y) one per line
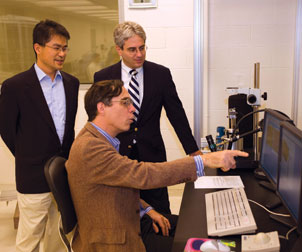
(105,185)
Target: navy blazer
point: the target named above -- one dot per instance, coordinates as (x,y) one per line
(28,130)
(159,92)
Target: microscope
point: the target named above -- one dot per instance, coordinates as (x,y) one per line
(243,101)
(243,104)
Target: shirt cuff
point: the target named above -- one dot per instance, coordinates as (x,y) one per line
(143,211)
(148,209)
(199,166)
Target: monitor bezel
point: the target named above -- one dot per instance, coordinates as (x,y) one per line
(281,118)
(297,133)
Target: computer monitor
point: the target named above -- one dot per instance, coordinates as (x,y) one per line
(270,146)
(289,183)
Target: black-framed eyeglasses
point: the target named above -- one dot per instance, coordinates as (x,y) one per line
(127,101)
(58,49)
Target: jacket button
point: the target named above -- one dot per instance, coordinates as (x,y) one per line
(129,146)
(135,129)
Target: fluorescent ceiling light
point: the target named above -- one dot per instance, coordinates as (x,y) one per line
(89,12)
(113,19)
(100,13)
(108,11)
(102,16)
(62,3)
(82,8)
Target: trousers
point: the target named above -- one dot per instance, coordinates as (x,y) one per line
(38,224)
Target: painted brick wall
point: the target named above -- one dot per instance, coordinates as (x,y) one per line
(241,33)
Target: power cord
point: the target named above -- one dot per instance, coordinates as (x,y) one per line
(269,211)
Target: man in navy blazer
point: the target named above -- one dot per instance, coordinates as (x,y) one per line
(37,116)
(157,90)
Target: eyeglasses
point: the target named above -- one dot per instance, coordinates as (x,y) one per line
(58,49)
(134,50)
(125,101)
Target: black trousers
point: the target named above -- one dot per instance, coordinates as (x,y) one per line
(157,198)
(156,242)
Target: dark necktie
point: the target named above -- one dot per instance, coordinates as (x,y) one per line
(133,90)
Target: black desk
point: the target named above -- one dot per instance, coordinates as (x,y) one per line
(192,216)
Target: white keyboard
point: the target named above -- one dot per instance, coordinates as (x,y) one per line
(228,212)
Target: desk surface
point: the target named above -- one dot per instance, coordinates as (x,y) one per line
(192,216)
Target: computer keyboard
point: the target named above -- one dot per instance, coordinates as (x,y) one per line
(228,212)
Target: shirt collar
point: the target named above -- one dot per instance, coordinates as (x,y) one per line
(127,69)
(41,75)
(113,140)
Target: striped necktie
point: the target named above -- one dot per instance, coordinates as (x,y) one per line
(133,90)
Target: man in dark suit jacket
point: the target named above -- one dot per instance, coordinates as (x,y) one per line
(37,115)
(157,90)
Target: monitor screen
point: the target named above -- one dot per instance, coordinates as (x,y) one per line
(289,186)
(270,144)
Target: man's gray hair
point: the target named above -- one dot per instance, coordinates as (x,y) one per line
(126,30)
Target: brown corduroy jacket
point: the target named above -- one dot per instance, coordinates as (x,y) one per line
(105,191)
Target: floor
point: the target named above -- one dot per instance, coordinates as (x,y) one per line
(7,209)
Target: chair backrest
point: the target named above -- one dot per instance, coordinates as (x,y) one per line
(56,176)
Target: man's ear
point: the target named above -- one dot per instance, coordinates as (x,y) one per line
(119,50)
(37,48)
(100,108)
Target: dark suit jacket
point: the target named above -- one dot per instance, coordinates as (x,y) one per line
(104,187)
(28,130)
(159,92)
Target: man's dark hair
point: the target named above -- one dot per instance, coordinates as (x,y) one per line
(101,91)
(44,30)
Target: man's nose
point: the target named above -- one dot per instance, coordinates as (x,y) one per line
(139,53)
(62,53)
(132,108)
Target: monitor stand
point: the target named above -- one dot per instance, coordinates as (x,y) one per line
(267,185)
(273,200)
(259,174)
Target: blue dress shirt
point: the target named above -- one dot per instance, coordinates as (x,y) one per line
(54,94)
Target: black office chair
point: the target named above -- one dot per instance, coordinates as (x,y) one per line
(56,177)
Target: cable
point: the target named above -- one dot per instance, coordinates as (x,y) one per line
(291,230)
(246,115)
(286,237)
(234,139)
(282,237)
(278,214)
(253,112)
